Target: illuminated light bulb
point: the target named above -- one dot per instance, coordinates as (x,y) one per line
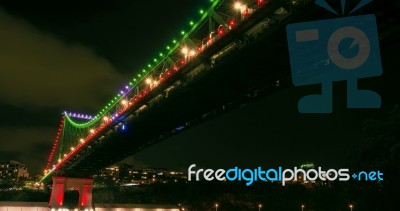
(59,160)
(72,149)
(91,131)
(82,140)
(148,81)
(105,118)
(124,102)
(192,53)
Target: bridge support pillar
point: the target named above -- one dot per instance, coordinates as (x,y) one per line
(61,184)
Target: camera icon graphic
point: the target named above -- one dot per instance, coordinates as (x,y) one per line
(340,49)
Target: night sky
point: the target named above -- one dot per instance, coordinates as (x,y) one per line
(74,55)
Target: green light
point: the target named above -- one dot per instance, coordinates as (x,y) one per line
(182,32)
(119,95)
(174,41)
(201,12)
(134,79)
(149,65)
(168,47)
(161,54)
(144,70)
(130,83)
(155,60)
(191,23)
(139,75)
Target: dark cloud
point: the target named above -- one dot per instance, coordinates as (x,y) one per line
(27,145)
(37,69)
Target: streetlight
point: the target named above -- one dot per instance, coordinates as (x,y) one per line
(351,207)
(302,207)
(216,207)
(259,207)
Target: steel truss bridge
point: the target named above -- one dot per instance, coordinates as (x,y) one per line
(233,54)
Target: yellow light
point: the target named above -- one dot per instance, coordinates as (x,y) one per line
(72,149)
(59,160)
(124,102)
(82,140)
(185,50)
(149,81)
(105,118)
(192,53)
(92,131)
(238,5)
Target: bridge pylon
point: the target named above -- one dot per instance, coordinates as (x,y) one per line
(61,184)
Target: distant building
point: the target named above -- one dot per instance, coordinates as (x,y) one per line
(126,175)
(13,171)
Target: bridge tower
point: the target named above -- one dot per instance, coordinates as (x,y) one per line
(61,184)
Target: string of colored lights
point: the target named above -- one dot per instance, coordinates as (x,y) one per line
(126,104)
(56,140)
(144,73)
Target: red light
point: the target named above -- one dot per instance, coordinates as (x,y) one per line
(200,47)
(232,23)
(260,2)
(182,62)
(175,68)
(246,12)
(168,73)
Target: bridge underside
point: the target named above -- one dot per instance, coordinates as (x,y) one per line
(259,68)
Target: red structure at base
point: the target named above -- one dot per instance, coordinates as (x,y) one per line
(62,184)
